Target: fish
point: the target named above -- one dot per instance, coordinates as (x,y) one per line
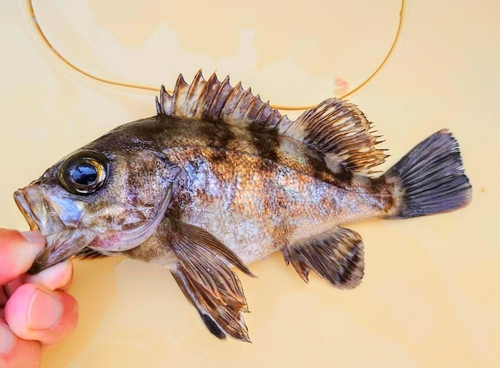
(218,179)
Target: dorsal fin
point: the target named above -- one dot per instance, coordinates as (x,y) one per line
(339,130)
(336,128)
(218,101)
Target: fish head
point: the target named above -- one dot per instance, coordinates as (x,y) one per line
(109,198)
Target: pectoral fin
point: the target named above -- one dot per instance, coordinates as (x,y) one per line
(337,256)
(203,274)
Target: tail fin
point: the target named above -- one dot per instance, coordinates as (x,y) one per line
(430,178)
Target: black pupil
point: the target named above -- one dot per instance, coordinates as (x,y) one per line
(84,174)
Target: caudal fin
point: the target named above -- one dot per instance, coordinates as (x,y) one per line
(430,178)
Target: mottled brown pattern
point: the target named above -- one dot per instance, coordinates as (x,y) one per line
(335,129)
(281,204)
(174,132)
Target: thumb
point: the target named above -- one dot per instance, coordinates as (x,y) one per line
(17,252)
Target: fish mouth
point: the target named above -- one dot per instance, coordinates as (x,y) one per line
(23,205)
(61,241)
(38,212)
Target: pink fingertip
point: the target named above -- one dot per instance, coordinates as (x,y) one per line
(44,311)
(55,277)
(16,256)
(34,312)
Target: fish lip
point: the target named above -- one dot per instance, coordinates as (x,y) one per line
(41,215)
(23,204)
(33,221)
(38,211)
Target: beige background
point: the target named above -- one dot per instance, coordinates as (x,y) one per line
(430,296)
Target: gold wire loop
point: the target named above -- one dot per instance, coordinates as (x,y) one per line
(36,25)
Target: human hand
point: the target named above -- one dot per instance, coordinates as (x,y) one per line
(35,311)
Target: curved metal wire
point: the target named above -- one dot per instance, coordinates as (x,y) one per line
(36,25)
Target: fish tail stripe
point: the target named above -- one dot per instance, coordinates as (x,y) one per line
(430,179)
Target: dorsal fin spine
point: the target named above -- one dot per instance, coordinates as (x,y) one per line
(263,110)
(221,94)
(242,106)
(165,101)
(208,95)
(158,106)
(191,94)
(232,101)
(248,117)
(179,95)
(336,128)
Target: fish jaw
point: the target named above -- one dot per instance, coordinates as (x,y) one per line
(57,220)
(60,247)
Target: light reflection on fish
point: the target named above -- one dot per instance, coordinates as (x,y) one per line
(219,178)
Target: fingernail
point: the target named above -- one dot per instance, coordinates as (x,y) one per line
(33,236)
(44,311)
(6,339)
(54,277)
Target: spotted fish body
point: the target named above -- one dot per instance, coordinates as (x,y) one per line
(225,172)
(219,178)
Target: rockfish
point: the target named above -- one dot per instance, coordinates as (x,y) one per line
(218,178)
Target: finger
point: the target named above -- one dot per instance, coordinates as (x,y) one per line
(57,277)
(54,278)
(17,252)
(34,312)
(10,287)
(16,352)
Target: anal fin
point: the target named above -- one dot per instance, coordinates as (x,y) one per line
(203,274)
(337,256)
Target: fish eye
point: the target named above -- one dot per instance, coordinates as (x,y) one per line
(84,173)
